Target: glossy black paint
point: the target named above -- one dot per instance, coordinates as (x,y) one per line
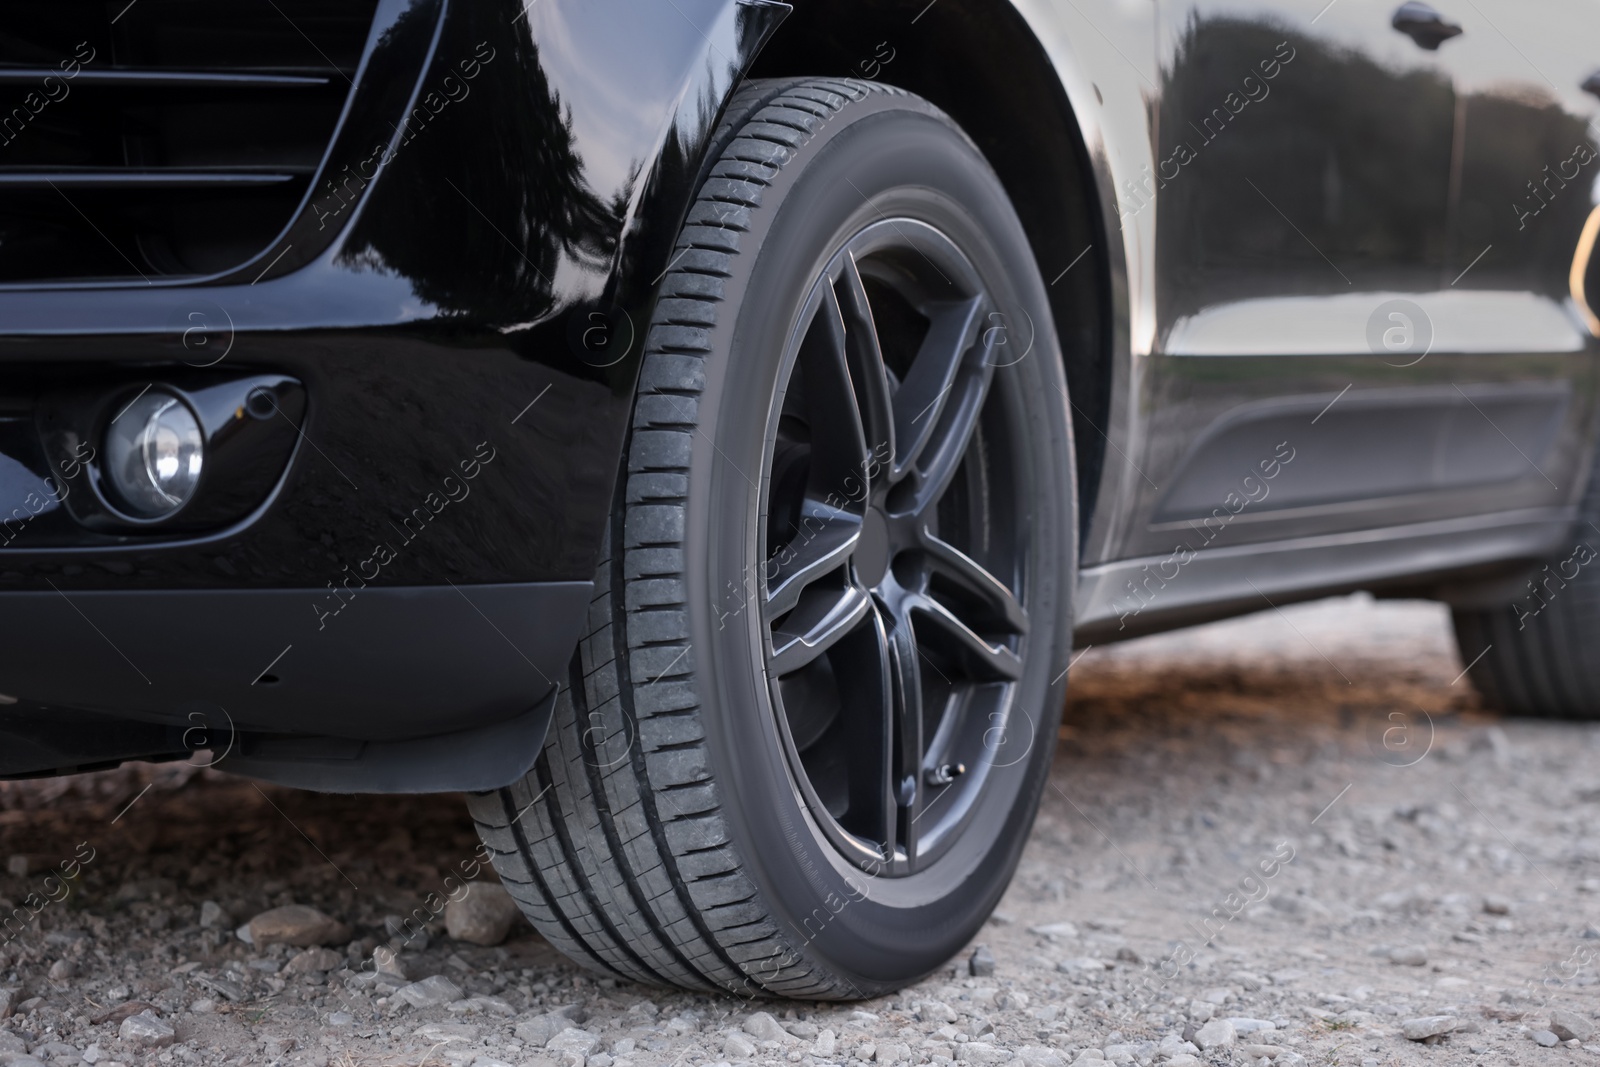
(469,275)
(1362,170)
(986,67)
(461,295)
(460,290)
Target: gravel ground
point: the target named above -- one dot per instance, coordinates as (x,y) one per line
(1289,839)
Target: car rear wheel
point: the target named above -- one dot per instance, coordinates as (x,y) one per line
(1536,655)
(803,742)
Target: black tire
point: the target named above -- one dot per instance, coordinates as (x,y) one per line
(673,831)
(1539,655)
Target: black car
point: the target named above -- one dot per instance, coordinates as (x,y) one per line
(702,430)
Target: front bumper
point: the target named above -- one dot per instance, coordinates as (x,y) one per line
(405,689)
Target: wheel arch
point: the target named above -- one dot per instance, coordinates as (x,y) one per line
(983,65)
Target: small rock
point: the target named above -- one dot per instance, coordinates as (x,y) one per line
(387,968)
(1011,1000)
(491,1005)
(93,1054)
(146,1031)
(447,1032)
(341,1018)
(1183,1059)
(577,1042)
(435,989)
(5,1003)
(981,963)
(763,1027)
(541,1028)
(1496,905)
(982,1052)
(1082,965)
(298,925)
(824,1044)
(203,1006)
(212,917)
(1258,1052)
(1218,1033)
(1545,1038)
(406,935)
(1250,1026)
(935,1011)
(55,1050)
(1055,931)
(17,866)
(1426,1026)
(314,961)
(1039,1056)
(483,916)
(1409,956)
(737,1046)
(61,970)
(1570,1026)
(243,934)
(275,1048)
(122,1011)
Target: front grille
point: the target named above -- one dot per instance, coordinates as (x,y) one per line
(164,138)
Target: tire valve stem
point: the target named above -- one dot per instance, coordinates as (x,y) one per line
(945,773)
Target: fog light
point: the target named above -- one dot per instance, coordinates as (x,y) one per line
(154,451)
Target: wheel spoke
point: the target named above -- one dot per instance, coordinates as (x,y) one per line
(925,393)
(839,450)
(867,370)
(905,772)
(868,661)
(816,624)
(981,659)
(825,538)
(996,605)
(944,453)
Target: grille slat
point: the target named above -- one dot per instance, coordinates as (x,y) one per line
(167,139)
(126,178)
(169,79)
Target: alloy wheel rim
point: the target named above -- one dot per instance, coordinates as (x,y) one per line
(894,539)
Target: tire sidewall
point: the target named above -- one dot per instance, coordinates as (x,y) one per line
(884,154)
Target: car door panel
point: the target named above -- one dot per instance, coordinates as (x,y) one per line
(1318,254)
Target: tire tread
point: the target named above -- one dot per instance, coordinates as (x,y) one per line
(640,878)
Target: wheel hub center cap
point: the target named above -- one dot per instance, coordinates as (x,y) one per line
(872,554)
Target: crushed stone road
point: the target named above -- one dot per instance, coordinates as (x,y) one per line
(1291,840)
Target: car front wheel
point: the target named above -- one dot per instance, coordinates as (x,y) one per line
(801,747)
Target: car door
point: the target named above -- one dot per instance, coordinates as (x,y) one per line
(1339,396)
